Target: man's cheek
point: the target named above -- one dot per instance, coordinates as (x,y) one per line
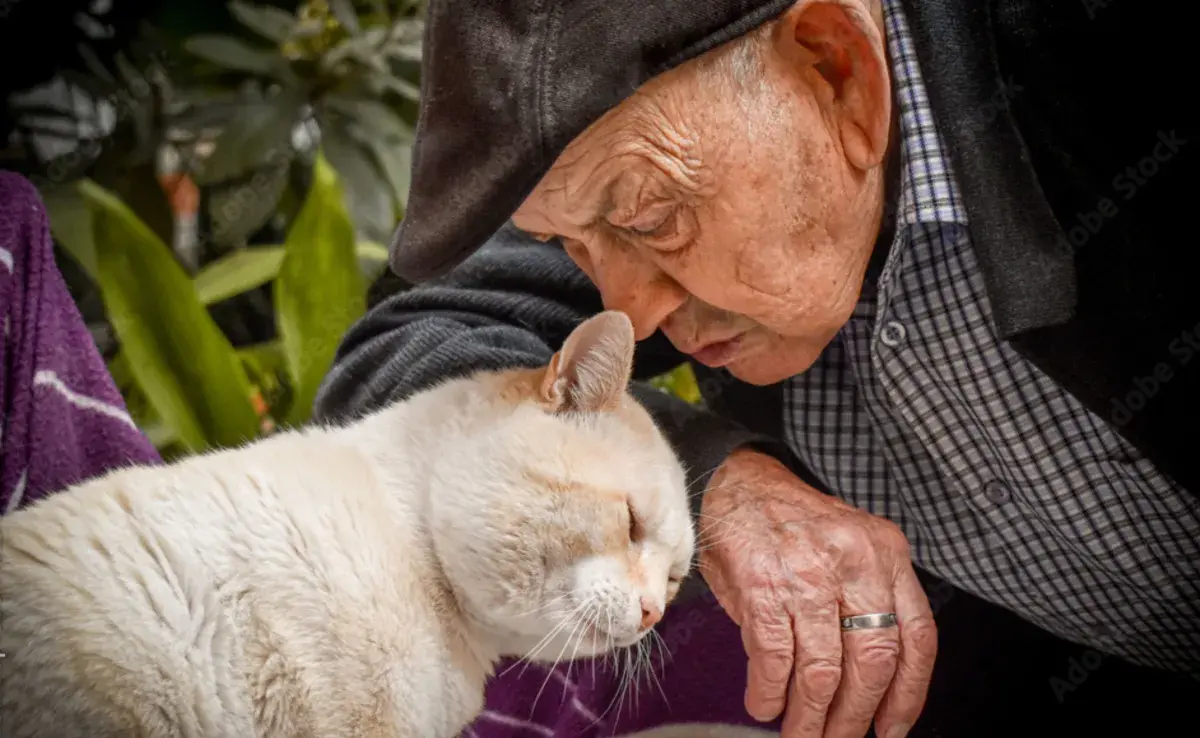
(760,267)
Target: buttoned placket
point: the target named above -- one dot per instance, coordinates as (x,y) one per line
(890,339)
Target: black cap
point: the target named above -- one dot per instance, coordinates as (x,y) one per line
(507,84)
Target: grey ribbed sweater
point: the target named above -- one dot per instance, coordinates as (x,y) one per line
(510,305)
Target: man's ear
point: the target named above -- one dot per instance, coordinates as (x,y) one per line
(838,47)
(591,371)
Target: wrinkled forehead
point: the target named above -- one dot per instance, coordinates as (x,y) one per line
(650,125)
(574,189)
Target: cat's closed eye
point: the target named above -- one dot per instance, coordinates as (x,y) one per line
(635,526)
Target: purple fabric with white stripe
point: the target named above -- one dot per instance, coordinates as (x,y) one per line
(697,673)
(64,420)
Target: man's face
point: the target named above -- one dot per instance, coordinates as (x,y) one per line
(736,216)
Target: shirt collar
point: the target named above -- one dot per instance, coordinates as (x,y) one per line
(928,190)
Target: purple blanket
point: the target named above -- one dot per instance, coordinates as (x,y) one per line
(697,674)
(65,421)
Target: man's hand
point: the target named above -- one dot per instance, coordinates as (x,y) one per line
(787,562)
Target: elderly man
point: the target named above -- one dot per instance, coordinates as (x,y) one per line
(924,259)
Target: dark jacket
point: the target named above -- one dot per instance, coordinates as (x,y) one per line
(1065,122)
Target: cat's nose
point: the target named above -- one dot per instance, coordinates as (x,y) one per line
(650,614)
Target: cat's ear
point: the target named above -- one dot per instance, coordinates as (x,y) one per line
(591,371)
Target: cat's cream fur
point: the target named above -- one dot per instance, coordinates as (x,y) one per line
(349,581)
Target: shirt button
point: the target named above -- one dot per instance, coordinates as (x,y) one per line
(893,334)
(997,491)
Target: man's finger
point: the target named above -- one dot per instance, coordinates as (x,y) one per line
(869,659)
(817,673)
(905,698)
(767,636)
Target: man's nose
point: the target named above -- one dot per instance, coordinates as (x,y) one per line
(641,290)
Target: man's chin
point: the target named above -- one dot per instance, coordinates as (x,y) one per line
(765,369)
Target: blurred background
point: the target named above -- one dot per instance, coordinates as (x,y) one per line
(222,181)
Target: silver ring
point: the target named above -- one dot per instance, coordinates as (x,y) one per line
(870,620)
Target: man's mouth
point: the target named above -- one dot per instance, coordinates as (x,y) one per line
(718,353)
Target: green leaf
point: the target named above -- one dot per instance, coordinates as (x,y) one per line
(409,52)
(132,78)
(396,164)
(392,83)
(385,136)
(320,291)
(372,251)
(273,24)
(344,11)
(160,434)
(238,272)
(373,206)
(266,366)
(240,207)
(377,119)
(178,355)
(259,136)
(681,382)
(231,53)
(251,267)
(94,65)
(266,358)
(71,225)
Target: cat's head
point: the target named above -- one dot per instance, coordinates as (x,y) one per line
(562,517)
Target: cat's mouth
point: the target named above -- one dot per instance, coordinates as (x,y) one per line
(602,640)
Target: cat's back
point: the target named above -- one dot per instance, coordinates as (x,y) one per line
(111,623)
(184,600)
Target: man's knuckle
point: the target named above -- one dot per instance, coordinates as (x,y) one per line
(775,668)
(921,637)
(892,537)
(763,611)
(877,662)
(819,679)
(848,538)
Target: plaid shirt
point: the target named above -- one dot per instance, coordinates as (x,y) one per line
(1005,485)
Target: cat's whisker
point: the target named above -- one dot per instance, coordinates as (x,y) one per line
(657,640)
(527,659)
(706,527)
(716,520)
(619,673)
(533,652)
(714,532)
(586,620)
(627,678)
(586,604)
(575,650)
(627,682)
(701,476)
(542,608)
(612,653)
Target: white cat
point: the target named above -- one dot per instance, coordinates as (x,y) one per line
(349,581)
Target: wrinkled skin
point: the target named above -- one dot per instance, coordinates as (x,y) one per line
(788,563)
(737,214)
